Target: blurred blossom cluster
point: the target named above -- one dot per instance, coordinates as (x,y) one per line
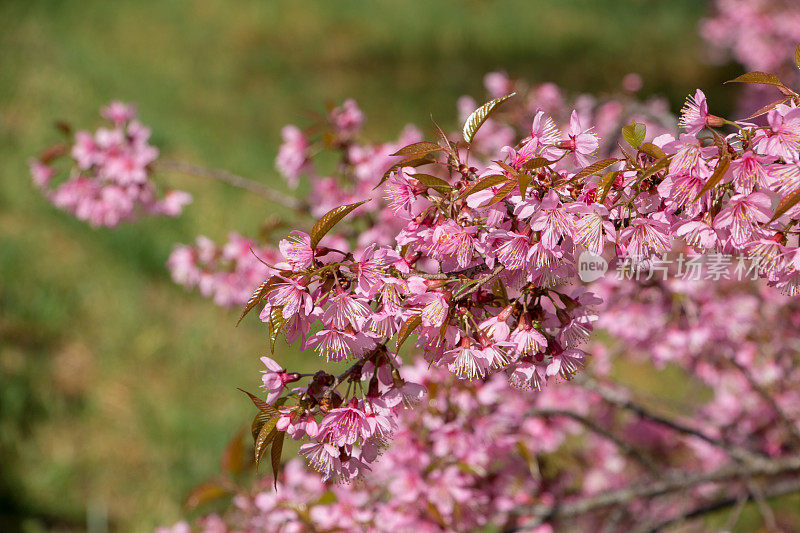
(108,173)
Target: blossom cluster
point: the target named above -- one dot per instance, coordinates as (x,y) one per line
(108,175)
(485,454)
(469,250)
(475,254)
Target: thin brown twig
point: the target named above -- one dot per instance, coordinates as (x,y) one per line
(231,179)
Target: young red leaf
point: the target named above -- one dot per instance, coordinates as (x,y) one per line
(797,56)
(785,204)
(483,183)
(412,161)
(406,329)
(330,219)
(652,150)
(523,180)
(761,78)
(265,437)
(446,141)
(605,184)
(594,168)
(258,295)
(261,404)
(277,450)
(418,149)
(537,162)
(661,164)
(719,172)
(433,182)
(204,493)
(276,324)
(233,458)
(504,191)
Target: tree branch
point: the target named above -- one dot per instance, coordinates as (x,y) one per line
(224,176)
(619,400)
(775,490)
(669,484)
(626,448)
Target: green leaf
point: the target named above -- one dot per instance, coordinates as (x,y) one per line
(537,162)
(330,219)
(719,172)
(761,78)
(418,149)
(785,204)
(433,182)
(594,168)
(652,150)
(504,191)
(277,449)
(406,329)
(634,134)
(483,183)
(479,116)
(265,437)
(258,295)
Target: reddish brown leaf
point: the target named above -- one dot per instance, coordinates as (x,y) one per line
(482,184)
(407,328)
(277,450)
(761,78)
(330,219)
(504,191)
(418,149)
(204,493)
(719,172)
(652,150)
(233,458)
(594,168)
(785,204)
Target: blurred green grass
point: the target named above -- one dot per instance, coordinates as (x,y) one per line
(117,388)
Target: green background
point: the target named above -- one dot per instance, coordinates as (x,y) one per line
(117,388)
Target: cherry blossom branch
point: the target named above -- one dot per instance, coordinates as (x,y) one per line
(774,490)
(769,400)
(669,484)
(596,428)
(234,180)
(619,400)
